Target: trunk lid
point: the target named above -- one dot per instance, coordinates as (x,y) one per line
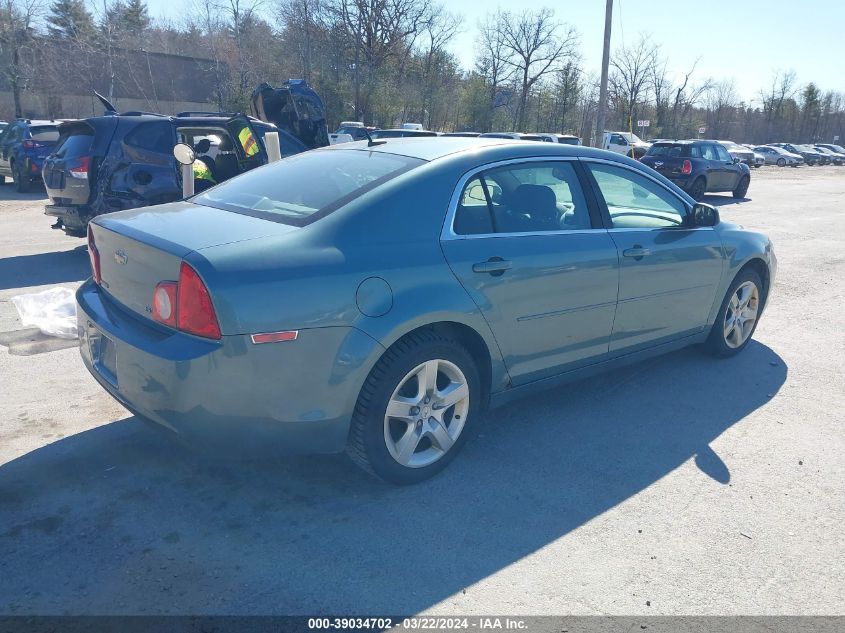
(141,247)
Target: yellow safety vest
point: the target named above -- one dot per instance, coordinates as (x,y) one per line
(201,171)
(248,142)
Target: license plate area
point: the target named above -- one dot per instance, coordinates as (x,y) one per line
(103,354)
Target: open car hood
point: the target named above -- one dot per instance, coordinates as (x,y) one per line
(295,108)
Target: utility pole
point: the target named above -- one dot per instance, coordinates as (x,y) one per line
(605,62)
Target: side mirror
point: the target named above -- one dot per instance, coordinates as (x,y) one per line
(737,159)
(705,215)
(184,154)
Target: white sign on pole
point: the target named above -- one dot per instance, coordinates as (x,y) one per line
(836,138)
(702,130)
(643,123)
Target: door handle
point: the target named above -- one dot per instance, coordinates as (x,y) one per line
(637,252)
(495,266)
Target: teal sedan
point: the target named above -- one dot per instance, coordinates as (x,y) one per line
(377,297)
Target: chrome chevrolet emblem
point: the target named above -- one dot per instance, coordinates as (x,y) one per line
(120,256)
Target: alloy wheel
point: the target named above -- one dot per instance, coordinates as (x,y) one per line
(741,314)
(426,413)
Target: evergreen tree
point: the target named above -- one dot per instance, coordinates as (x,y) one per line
(70,20)
(133,16)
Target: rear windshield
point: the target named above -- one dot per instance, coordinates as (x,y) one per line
(305,187)
(76,145)
(47,133)
(669,150)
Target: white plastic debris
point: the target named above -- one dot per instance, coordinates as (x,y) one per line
(52,311)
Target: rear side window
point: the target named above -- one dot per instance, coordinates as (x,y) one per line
(154,136)
(307,186)
(47,133)
(532,197)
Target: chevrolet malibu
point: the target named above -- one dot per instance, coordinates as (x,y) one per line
(377,297)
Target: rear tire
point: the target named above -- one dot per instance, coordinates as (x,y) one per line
(418,373)
(698,189)
(781,162)
(742,187)
(738,315)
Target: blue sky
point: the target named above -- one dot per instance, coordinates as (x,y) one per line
(741,39)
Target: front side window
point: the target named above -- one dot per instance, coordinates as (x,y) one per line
(531,197)
(723,154)
(636,202)
(307,186)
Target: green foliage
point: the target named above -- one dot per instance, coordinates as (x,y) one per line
(70,20)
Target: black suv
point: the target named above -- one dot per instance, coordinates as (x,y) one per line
(121,161)
(699,167)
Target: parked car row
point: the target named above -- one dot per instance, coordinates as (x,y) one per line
(794,154)
(357,131)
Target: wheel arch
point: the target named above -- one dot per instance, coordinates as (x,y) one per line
(758,265)
(483,349)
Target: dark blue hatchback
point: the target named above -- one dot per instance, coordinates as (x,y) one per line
(699,167)
(24,145)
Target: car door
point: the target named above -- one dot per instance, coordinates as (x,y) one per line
(669,269)
(522,240)
(249,148)
(730,171)
(713,167)
(618,144)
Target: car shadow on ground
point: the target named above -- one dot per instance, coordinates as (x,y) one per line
(41,269)
(8,192)
(724,201)
(119,519)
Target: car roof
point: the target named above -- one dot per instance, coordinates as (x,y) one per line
(435,147)
(43,121)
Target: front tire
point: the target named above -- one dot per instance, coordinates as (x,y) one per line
(742,187)
(781,162)
(22,182)
(738,315)
(417,408)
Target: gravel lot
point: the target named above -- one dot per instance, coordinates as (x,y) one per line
(683,485)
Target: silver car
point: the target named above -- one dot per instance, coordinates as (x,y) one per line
(778,156)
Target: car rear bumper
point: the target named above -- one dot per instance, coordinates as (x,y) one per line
(231,395)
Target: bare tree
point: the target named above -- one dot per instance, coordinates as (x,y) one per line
(537,45)
(492,62)
(17,31)
(632,76)
(378,31)
(722,103)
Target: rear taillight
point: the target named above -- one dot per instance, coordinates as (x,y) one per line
(29,144)
(80,169)
(94,256)
(186,305)
(164,303)
(686,168)
(194,310)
